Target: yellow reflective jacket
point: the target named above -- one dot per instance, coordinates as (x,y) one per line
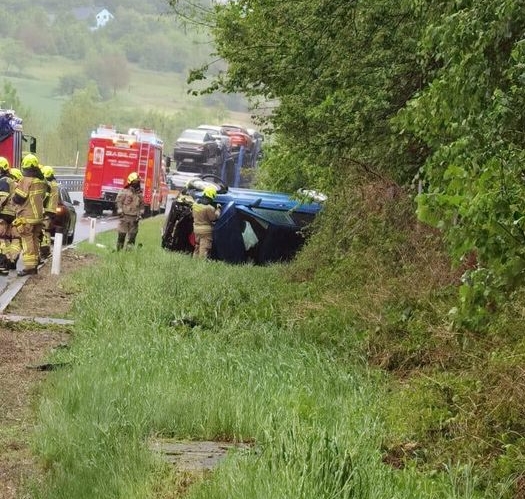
(6,199)
(204,215)
(51,198)
(29,198)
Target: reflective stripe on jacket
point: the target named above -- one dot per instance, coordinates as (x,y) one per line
(51,199)
(203,217)
(29,195)
(9,207)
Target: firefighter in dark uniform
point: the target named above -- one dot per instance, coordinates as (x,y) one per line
(205,213)
(14,247)
(29,198)
(50,209)
(130,207)
(7,214)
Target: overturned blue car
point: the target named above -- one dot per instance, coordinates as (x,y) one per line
(255,226)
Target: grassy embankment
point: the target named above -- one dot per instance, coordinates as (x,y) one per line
(253,357)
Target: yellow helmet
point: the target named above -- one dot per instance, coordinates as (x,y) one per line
(48,171)
(15,173)
(132,177)
(4,164)
(210,192)
(29,161)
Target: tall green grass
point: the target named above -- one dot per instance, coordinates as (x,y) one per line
(168,346)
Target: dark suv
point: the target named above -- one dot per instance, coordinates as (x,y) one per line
(66,216)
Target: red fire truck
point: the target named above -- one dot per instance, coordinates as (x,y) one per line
(112,156)
(12,138)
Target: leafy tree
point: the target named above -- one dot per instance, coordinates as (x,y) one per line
(6,24)
(71,38)
(81,114)
(15,55)
(336,78)
(69,83)
(35,32)
(9,99)
(110,71)
(470,116)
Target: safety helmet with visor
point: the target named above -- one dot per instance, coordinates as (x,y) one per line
(210,192)
(133,177)
(4,164)
(16,174)
(48,171)
(30,160)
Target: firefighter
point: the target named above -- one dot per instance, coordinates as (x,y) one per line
(29,198)
(50,208)
(6,212)
(205,212)
(185,197)
(130,207)
(14,247)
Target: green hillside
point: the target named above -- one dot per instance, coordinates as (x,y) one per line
(66,78)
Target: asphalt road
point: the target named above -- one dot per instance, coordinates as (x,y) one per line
(83,227)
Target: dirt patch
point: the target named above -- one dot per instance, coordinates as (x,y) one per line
(22,346)
(194,457)
(45,295)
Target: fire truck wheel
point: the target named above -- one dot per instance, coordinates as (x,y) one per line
(92,209)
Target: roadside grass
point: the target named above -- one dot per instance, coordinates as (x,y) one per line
(454,397)
(164,345)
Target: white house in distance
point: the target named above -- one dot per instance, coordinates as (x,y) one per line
(103,17)
(99,16)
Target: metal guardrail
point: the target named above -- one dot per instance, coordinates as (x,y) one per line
(71,182)
(69,170)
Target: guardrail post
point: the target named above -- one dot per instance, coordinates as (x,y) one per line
(57,252)
(92,229)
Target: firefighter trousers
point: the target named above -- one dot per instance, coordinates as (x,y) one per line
(10,244)
(30,239)
(203,244)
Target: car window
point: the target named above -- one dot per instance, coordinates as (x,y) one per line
(193,134)
(64,195)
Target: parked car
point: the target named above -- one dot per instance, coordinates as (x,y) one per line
(65,218)
(254,226)
(195,146)
(239,137)
(222,138)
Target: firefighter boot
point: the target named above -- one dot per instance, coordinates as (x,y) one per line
(120,240)
(24,272)
(131,242)
(45,252)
